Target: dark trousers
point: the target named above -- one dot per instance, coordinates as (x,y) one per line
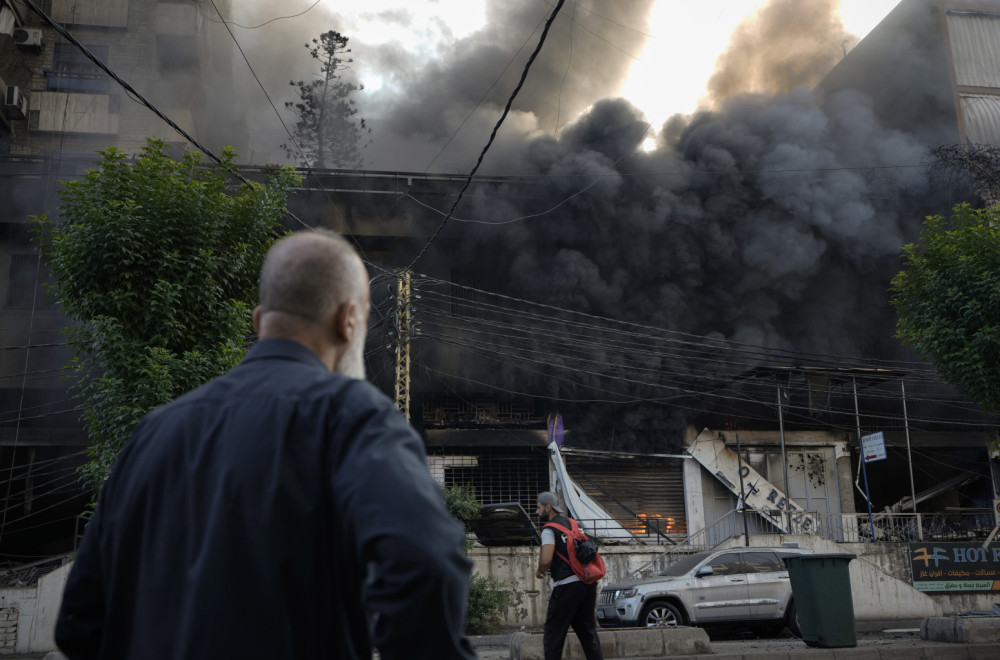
(572,604)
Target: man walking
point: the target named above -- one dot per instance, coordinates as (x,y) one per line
(572,602)
(283,510)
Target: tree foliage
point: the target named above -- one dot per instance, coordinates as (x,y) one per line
(156,261)
(947,298)
(489,596)
(462,504)
(327,132)
(980,162)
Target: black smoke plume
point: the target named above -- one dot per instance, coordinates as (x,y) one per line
(775,219)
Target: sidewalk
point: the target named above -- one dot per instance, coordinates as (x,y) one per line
(877,640)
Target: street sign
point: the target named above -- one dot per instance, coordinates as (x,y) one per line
(873,447)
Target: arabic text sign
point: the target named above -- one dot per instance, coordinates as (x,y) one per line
(955,567)
(873,447)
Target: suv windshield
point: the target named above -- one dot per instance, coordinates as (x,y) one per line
(685,564)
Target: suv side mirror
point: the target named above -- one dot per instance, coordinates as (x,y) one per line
(703,571)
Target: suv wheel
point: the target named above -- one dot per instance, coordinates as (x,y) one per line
(792,619)
(656,615)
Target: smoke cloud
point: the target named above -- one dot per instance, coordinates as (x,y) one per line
(774,219)
(444,99)
(787,44)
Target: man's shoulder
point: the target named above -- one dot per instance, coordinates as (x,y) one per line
(562,521)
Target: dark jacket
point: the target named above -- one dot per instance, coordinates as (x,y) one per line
(560,568)
(279,511)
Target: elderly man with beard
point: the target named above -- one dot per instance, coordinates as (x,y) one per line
(283,510)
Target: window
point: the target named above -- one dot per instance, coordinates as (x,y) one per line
(72,71)
(727,564)
(763,562)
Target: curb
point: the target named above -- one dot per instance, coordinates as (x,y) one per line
(966,629)
(928,652)
(622,643)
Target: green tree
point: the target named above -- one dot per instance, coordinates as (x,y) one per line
(156,261)
(489,596)
(327,132)
(947,298)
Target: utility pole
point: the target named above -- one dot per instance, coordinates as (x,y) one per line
(404,317)
(785,518)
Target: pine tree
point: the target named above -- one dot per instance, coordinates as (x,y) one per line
(328,132)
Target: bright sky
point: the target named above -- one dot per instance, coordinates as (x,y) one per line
(698,49)
(691,32)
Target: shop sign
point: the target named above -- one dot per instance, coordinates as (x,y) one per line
(758,493)
(955,567)
(873,447)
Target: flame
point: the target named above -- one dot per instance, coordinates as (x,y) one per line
(664,524)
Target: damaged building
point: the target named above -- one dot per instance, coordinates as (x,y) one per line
(590,308)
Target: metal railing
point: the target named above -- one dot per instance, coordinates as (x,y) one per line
(838,527)
(634,529)
(855,527)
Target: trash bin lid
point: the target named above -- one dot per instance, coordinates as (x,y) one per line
(829,555)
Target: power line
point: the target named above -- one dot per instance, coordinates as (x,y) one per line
(254,27)
(496,128)
(674,335)
(127,87)
(482,98)
(309,170)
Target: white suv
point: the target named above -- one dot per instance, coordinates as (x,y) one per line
(735,586)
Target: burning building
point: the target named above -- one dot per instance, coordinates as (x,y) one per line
(733,276)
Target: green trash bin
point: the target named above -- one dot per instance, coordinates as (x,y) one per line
(821,589)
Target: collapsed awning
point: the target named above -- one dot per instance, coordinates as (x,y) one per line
(591,515)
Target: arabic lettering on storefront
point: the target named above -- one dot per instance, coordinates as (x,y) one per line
(954,567)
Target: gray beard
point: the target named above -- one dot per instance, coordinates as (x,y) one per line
(352,364)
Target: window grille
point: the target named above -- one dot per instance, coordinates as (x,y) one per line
(499,474)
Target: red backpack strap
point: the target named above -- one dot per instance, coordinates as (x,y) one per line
(558,526)
(569,537)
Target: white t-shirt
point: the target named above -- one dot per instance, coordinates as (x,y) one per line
(549,538)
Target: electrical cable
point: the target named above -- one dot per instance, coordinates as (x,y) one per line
(482,98)
(569,62)
(310,171)
(29,346)
(491,351)
(687,336)
(254,27)
(496,128)
(127,87)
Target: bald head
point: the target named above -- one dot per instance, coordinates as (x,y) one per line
(310,274)
(314,290)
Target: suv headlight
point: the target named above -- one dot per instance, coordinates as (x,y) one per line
(626,593)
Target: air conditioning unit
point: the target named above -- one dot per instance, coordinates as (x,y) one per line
(15,106)
(28,37)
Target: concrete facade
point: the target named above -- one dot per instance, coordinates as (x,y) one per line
(880,585)
(28,615)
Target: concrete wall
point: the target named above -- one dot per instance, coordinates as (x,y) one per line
(879,586)
(516,565)
(28,615)
(880,582)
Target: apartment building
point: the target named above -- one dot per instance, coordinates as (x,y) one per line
(59,109)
